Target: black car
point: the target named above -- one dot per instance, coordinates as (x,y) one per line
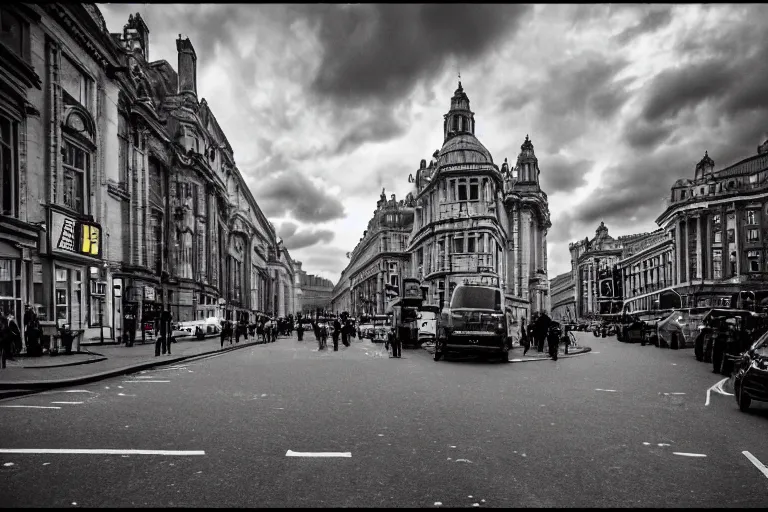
(751,380)
(474,322)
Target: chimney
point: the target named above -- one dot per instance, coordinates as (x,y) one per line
(187,67)
(136,35)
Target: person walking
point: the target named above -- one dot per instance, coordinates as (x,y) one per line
(223,333)
(394,341)
(525,340)
(4,348)
(300,332)
(129,325)
(553,339)
(335,334)
(237,333)
(540,330)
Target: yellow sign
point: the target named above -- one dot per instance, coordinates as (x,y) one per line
(90,239)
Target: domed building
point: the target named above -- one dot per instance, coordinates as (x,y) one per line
(476,223)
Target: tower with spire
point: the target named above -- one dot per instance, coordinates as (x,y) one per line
(459,119)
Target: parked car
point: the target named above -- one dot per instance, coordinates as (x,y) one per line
(745,322)
(751,379)
(680,328)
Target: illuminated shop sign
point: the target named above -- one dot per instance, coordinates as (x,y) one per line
(70,235)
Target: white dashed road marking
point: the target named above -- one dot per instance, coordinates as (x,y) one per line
(291,453)
(31,406)
(608,390)
(78,451)
(68,403)
(150,381)
(759,465)
(689,454)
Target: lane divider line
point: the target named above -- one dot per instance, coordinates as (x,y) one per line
(78,451)
(291,453)
(689,454)
(30,406)
(68,403)
(146,381)
(759,465)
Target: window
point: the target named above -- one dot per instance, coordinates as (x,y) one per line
(12,32)
(75,82)
(471,244)
(452,189)
(751,217)
(462,191)
(75,176)
(124,168)
(753,235)
(9,171)
(716,219)
(473,190)
(455,124)
(754,261)
(10,287)
(682,194)
(717,263)
(718,236)
(458,244)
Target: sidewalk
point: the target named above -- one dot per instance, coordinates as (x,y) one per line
(100,362)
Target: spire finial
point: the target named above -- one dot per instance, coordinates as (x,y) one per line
(526,136)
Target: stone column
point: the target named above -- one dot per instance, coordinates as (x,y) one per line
(699,255)
(677,253)
(589,287)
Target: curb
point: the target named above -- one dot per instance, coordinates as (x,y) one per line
(34,386)
(76,363)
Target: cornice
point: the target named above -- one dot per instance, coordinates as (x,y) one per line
(91,38)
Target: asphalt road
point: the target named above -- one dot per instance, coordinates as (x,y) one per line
(596,430)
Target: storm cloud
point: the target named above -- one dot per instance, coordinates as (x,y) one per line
(291,193)
(564,174)
(295,239)
(381,51)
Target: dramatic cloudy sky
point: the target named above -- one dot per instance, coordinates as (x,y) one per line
(326,104)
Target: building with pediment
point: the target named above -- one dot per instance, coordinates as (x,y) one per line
(120,189)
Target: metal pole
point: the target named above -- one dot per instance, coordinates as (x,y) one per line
(101,323)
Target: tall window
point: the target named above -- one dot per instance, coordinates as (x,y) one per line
(718,236)
(10,286)
(75,82)
(474,187)
(75,176)
(754,261)
(462,191)
(751,217)
(717,263)
(472,243)
(12,32)
(123,150)
(458,244)
(753,235)
(9,170)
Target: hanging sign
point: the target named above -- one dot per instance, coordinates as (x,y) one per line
(69,235)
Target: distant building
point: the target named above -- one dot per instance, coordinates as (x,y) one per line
(562,289)
(313,292)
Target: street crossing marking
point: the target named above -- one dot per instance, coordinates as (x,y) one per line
(31,406)
(291,453)
(78,451)
(759,465)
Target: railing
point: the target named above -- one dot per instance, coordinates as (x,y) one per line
(466,208)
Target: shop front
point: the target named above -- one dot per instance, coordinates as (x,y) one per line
(70,279)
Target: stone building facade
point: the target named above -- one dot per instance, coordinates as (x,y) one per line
(563,298)
(464,220)
(316,292)
(594,263)
(379,261)
(137,201)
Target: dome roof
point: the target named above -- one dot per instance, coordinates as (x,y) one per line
(682,182)
(462,149)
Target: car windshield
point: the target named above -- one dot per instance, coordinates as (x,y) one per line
(476,297)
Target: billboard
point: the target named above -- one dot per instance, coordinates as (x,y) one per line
(69,235)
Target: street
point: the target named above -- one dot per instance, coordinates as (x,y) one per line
(602,429)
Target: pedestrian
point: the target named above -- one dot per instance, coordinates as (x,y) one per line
(335,334)
(540,331)
(553,339)
(34,336)
(300,332)
(129,325)
(525,340)
(237,333)
(4,348)
(164,341)
(394,341)
(223,333)
(28,312)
